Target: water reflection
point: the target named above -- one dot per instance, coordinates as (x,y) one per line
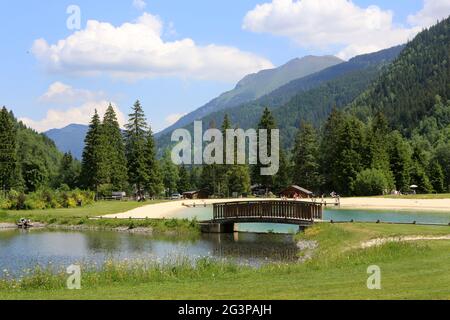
(19,250)
(253,247)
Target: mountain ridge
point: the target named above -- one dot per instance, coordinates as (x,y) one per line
(256,85)
(69,139)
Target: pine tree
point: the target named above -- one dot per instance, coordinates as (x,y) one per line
(342,149)
(400,160)
(94,168)
(306,168)
(268,123)
(437,177)
(135,148)
(329,151)
(69,172)
(420,178)
(154,183)
(284,176)
(170,174)
(209,179)
(349,162)
(114,151)
(194,178)
(239,180)
(184,182)
(8,151)
(224,169)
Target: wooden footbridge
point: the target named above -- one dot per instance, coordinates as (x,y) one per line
(226,215)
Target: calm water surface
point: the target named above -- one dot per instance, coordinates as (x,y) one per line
(20,250)
(202,213)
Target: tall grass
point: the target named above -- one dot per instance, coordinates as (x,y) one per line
(125,272)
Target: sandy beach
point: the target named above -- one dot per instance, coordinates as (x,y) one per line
(442,205)
(172,208)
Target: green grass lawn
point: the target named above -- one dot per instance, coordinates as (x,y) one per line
(419,270)
(82,216)
(97,209)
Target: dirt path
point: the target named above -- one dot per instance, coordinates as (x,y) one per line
(381,241)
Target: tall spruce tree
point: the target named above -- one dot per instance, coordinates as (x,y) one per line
(306,167)
(154,181)
(224,169)
(194,178)
(400,160)
(184,181)
(329,151)
(267,122)
(170,174)
(283,178)
(209,178)
(69,172)
(135,148)
(437,177)
(114,151)
(8,151)
(234,177)
(94,168)
(342,150)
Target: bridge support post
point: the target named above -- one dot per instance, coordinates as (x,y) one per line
(217,227)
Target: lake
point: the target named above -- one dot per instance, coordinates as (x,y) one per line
(27,249)
(206,213)
(21,250)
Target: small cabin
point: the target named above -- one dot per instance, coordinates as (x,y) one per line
(199,194)
(190,195)
(295,191)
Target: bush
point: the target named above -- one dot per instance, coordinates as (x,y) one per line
(371,182)
(46,199)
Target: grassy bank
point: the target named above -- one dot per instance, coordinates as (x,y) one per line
(418,270)
(82,217)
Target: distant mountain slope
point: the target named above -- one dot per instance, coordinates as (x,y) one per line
(69,139)
(257,85)
(406,92)
(309,98)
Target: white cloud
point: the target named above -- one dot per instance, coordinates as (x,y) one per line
(77,113)
(325,24)
(137,50)
(433,10)
(139,4)
(172,118)
(63,94)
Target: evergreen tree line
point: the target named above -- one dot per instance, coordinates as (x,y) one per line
(359,158)
(28,160)
(345,155)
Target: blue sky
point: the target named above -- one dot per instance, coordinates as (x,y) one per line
(176,55)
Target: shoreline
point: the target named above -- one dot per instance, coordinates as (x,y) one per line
(169,210)
(401,204)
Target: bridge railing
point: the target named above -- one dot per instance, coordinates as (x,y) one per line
(292,210)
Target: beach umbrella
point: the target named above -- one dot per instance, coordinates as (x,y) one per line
(414,186)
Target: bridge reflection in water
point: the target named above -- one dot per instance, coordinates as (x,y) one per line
(253,248)
(226,215)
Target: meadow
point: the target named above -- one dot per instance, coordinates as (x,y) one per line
(337,270)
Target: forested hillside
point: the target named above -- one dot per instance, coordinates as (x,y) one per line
(310,98)
(256,85)
(33,158)
(406,92)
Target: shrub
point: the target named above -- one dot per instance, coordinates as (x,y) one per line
(45,199)
(371,182)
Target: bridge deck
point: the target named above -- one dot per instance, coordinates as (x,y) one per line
(271,211)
